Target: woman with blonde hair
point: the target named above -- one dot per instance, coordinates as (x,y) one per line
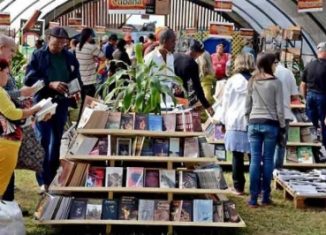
(233,117)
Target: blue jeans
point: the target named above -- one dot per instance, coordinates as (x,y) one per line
(262,138)
(50,134)
(280,150)
(316,111)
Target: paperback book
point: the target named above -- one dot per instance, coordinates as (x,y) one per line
(141,122)
(152,178)
(162,210)
(128,209)
(154,122)
(110,209)
(161,147)
(169,122)
(167,178)
(127,121)
(114,176)
(203,210)
(95,177)
(174,147)
(146,210)
(113,121)
(135,176)
(94,209)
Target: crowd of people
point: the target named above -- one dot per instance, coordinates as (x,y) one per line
(252,100)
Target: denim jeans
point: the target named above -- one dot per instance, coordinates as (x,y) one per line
(262,138)
(280,150)
(50,134)
(316,111)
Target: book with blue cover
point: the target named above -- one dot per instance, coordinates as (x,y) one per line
(147,149)
(154,122)
(203,210)
(110,209)
(161,147)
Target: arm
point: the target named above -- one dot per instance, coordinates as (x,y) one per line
(280,104)
(194,73)
(303,85)
(225,101)
(98,53)
(249,99)
(294,87)
(32,72)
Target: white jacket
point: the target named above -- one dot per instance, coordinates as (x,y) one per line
(234,103)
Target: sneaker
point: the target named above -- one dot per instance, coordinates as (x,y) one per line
(42,189)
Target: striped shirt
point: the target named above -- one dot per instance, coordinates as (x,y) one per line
(87,61)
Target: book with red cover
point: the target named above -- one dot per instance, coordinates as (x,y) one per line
(64,173)
(152,178)
(95,177)
(135,177)
(196,122)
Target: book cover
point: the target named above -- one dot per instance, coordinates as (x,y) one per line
(291,154)
(127,121)
(294,134)
(174,147)
(114,176)
(152,178)
(147,149)
(308,134)
(220,152)
(50,110)
(74,87)
(128,209)
(94,209)
(188,179)
(113,121)
(191,147)
(103,146)
(196,122)
(146,210)
(154,122)
(139,145)
(169,121)
(95,177)
(124,147)
(167,178)
(180,122)
(141,122)
(203,210)
(219,135)
(64,173)
(305,155)
(161,147)
(41,206)
(211,178)
(85,117)
(188,121)
(207,150)
(218,212)
(135,176)
(110,209)
(181,210)
(162,210)
(78,209)
(51,208)
(97,120)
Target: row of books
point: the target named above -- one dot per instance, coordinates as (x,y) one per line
(176,121)
(302,134)
(300,154)
(82,174)
(132,208)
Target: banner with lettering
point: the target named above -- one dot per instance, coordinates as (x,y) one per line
(4,19)
(247,33)
(127,6)
(221,29)
(310,5)
(223,5)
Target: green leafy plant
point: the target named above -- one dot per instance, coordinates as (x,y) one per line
(17,71)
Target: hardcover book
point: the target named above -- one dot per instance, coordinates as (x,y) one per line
(146,210)
(103,146)
(174,147)
(95,177)
(203,210)
(305,155)
(220,152)
(110,209)
(154,122)
(114,176)
(124,146)
(169,122)
(162,210)
(127,121)
(135,176)
(196,122)
(161,147)
(147,149)
(152,179)
(78,209)
(113,121)
(167,178)
(141,122)
(74,87)
(181,210)
(188,179)
(128,209)
(294,134)
(94,209)
(191,147)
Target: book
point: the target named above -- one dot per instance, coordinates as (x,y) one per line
(128,209)
(141,122)
(188,179)
(218,133)
(211,178)
(103,146)
(47,108)
(38,86)
(139,145)
(78,209)
(83,145)
(97,120)
(147,149)
(294,134)
(174,147)
(191,147)
(154,122)
(230,210)
(180,122)
(220,152)
(51,207)
(95,177)
(181,210)
(203,210)
(218,212)
(308,134)
(291,154)
(114,176)
(161,210)
(94,209)
(188,126)
(135,176)
(41,206)
(124,146)
(64,173)
(161,147)
(85,117)
(114,119)
(73,87)
(152,178)
(167,178)
(196,122)
(305,155)
(146,210)
(110,209)
(127,121)
(169,121)
(63,210)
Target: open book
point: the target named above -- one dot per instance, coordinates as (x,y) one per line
(73,87)
(47,107)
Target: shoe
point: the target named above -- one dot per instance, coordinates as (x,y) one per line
(237,192)
(252,204)
(268,202)
(43,189)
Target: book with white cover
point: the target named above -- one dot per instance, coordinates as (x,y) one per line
(40,115)
(38,85)
(73,87)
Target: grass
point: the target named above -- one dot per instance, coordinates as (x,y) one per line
(279,219)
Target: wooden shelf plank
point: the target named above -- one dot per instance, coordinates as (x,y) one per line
(139,158)
(240,224)
(138,190)
(131,133)
(298,106)
(303,144)
(301,124)
(294,165)
(215,141)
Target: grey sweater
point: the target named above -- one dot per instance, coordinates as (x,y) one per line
(262,93)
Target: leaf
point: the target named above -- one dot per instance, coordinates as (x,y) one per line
(129,92)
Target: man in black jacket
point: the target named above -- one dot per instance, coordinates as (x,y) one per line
(187,69)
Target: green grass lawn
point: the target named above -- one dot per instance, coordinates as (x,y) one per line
(279,219)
